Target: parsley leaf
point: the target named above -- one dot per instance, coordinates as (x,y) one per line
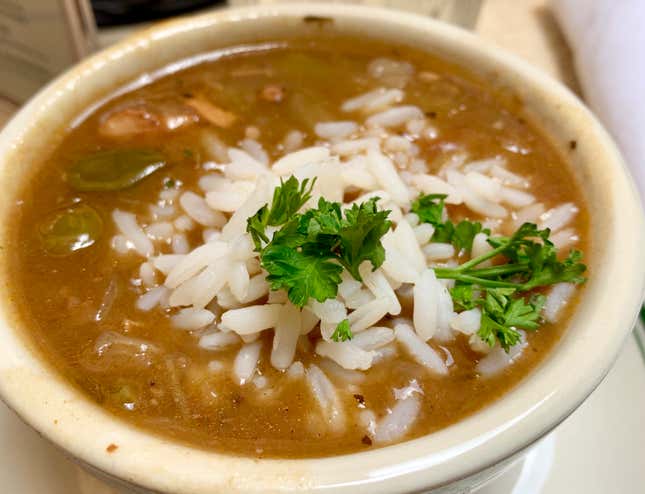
(464,234)
(533,263)
(463,296)
(360,236)
(498,290)
(430,209)
(308,253)
(342,331)
(301,273)
(503,315)
(287,200)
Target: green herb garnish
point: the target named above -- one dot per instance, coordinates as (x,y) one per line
(503,313)
(288,198)
(307,255)
(532,264)
(342,331)
(500,291)
(430,208)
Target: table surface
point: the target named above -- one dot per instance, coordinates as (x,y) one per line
(599,450)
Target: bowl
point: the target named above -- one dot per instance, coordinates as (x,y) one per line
(456,459)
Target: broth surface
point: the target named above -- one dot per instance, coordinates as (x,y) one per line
(68,302)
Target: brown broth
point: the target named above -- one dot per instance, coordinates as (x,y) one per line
(59,296)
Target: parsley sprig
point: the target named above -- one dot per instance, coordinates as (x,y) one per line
(505,292)
(430,209)
(532,263)
(503,310)
(307,255)
(342,331)
(309,250)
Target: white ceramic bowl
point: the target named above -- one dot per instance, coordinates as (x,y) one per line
(452,460)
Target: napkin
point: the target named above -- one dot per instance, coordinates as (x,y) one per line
(607,38)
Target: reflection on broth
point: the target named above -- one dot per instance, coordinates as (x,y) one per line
(314,249)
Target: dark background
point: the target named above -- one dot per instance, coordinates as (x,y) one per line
(119,12)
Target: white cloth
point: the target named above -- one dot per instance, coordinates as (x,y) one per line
(608,42)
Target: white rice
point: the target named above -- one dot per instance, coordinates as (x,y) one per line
(564,238)
(368,314)
(251,319)
(229,196)
(246,362)
(438,251)
(147,274)
(406,241)
(378,284)
(191,264)
(325,394)
(130,229)
(289,163)
(507,177)
(162,230)
(216,366)
(426,305)
(528,214)
(484,186)
(243,166)
(197,208)
(296,370)
(473,199)
(180,244)
(218,340)
(165,263)
(183,223)
(396,266)
(238,280)
(287,331)
(373,338)
(373,101)
(391,72)
(151,298)
(423,233)
(200,289)
(192,319)
(557,299)
(356,173)
(558,217)
(355,146)
(255,149)
(498,359)
(408,390)
(158,211)
(120,244)
(386,175)
(516,198)
(481,247)
(359,298)
(393,117)
(398,421)
(467,322)
(293,141)
(348,356)
(419,350)
(335,130)
(431,184)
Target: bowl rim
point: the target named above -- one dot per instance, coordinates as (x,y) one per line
(500,430)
